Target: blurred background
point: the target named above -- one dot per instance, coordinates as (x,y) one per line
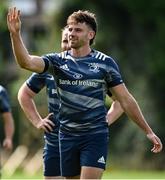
(133,33)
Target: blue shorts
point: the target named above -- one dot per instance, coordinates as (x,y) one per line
(51,159)
(86,150)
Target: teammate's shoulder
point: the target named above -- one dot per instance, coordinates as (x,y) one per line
(100,55)
(2,88)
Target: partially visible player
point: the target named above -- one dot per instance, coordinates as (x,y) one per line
(50,124)
(6,113)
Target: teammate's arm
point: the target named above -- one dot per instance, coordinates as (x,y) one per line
(23,58)
(114,112)
(8,129)
(25,98)
(132,109)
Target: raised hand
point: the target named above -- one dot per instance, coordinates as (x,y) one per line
(13,20)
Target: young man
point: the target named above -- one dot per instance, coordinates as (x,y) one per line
(26,94)
(82,76)
(6,114)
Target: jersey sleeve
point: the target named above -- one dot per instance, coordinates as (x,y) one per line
(4,102)
(36,82)
(52,62)
(113,77)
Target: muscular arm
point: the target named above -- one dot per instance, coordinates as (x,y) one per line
(9,129)
(132,109)
(23,58)
(25,98)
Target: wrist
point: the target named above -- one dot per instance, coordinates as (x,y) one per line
(15,35)
(37,123)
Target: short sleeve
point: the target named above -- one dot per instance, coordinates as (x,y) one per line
(4,101)
(113,77)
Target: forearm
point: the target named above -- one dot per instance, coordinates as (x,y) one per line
(20,52)
(114,112)
(132,109)
(30,110)
(23,58)
(8,125)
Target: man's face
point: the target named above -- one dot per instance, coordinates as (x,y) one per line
(79,35)
(64,40)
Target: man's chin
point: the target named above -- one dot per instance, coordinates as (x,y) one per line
(73,46)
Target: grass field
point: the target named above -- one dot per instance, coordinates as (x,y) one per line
(129,174)
(132,174)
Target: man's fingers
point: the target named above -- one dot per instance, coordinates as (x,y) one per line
(48,119)
(48,128)
(50,115)
(18,15)
(48,125)
(157,143)
(157,146)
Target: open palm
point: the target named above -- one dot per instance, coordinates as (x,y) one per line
(13,20)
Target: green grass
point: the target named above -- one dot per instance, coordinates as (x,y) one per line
(111,174)
(134,174)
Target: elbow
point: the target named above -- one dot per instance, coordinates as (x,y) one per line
(23,62)
(20,96)
(24,65)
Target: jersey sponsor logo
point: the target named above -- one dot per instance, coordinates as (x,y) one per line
(94,67)
(78,82)
(101,160)
(77,76)
(64,67)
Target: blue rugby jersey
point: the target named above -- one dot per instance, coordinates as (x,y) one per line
(82,85)
(36,82)
(4,100)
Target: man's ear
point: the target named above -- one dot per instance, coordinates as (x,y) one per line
(91,34)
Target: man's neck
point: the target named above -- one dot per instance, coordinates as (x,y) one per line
(81,52)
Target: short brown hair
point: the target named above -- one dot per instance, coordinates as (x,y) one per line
(84,17)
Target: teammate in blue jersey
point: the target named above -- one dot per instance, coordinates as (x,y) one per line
(6,114)
(35,83)
(83,76)
(50,125)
